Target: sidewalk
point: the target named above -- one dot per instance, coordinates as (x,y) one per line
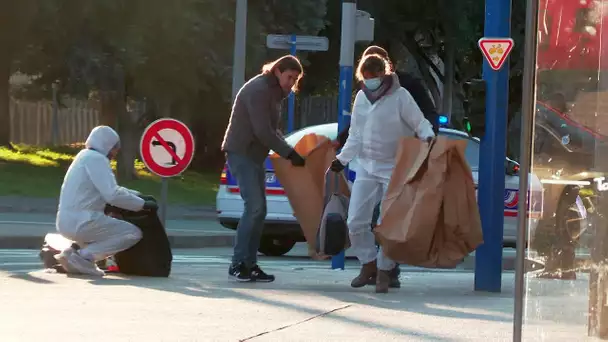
(29,205)
(27,231)
(199,303)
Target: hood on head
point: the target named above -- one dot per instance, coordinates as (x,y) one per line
(102,139)
(396,84)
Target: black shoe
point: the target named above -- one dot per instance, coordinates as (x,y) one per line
(258,275)
(241,272)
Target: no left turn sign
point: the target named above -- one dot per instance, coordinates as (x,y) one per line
(167,147)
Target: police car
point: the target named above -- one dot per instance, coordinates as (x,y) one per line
(282,231)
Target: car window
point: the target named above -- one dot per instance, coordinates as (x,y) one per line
(328,130)
(471,153)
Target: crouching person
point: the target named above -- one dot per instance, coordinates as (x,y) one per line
(88,186)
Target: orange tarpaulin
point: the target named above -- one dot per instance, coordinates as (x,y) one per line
(305,186)
(429,214)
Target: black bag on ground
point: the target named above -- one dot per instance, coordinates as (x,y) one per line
(151,256)
(332,236)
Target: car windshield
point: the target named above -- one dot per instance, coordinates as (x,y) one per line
(329,130)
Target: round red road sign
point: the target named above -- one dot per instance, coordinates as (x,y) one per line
(167,147)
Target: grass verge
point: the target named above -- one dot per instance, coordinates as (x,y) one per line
(39,171)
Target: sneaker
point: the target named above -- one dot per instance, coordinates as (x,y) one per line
(260,276)
(62,258)
(240,272)
(84,266)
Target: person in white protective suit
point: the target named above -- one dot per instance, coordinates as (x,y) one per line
(88,186)
(383,113)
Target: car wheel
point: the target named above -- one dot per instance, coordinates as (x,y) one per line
(557,242)
(271,246)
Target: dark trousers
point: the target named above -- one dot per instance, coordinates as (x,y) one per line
(251,178)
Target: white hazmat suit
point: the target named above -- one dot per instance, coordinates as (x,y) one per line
(88,186)
(373,139)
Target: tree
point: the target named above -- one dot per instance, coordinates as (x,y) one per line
(16,18)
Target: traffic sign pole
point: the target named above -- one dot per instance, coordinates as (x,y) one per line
(164,192)
(488,256)
(292,97)
(347,57)
(293,43)
(167,149)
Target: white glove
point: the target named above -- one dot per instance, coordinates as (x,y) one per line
(426,132)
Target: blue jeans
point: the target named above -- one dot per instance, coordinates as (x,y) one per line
(251,178)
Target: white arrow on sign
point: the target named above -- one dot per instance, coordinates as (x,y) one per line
(305,43)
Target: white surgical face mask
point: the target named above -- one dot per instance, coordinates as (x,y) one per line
(372,83)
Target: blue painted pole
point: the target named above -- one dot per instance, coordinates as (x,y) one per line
(292,97)
(347,57)
(488,257)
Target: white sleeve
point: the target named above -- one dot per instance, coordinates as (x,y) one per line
(101,175)
(413,117)
(353,142)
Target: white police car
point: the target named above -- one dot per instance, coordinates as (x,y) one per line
(282,231)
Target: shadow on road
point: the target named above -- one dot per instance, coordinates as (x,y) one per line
(437,299)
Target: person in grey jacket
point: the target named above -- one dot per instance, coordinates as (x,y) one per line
(251,134)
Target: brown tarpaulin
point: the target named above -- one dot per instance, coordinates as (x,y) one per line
(429,214)
(305,186)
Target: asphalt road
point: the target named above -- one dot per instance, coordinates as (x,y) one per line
(307,302)
(27,260)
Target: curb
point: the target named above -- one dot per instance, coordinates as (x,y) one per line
(188,242)
(204,213)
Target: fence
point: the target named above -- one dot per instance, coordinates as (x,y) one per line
(32,122)
(313,110)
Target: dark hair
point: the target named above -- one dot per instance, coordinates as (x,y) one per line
(287,62)
(373,64)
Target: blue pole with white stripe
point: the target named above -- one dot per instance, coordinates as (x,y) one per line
(347,57)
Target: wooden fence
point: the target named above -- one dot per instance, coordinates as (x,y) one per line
(32,122)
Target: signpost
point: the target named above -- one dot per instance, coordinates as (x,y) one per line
(496,51)
(294,43)
(357,26)
(167,149)
(496,47)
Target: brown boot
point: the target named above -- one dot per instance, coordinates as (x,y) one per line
(383,281)
(368,271)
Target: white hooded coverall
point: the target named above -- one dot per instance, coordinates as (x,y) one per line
(88,186)
(373,139)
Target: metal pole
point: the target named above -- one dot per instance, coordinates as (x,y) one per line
(240,47)
(164,191)
(488,257)
(527,128)
(347,57)
(292,97)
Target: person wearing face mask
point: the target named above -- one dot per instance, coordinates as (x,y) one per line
(415,87)
(252,132)
(412,84)
(88,185)
(383,113)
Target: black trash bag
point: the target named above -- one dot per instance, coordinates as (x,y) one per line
(151,256)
